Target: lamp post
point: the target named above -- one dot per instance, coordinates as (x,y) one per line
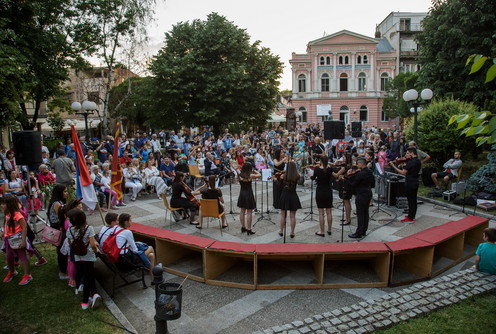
(87,109)
(411,95)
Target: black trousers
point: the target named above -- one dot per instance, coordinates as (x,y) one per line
(85,274)
(411,190)
(362,202)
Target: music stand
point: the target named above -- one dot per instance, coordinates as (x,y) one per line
(310,213)
(266,177)
(231,212)
(381,185)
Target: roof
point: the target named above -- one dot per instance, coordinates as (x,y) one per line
(365,39)
(383,45)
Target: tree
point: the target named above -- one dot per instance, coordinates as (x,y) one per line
(454,30)
(439,140)
(394,105)
(208,72)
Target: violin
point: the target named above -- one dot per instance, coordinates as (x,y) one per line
(277,175)
(401,160)
(352,173)
(190,197)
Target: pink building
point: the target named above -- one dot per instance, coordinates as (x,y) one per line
(343,74)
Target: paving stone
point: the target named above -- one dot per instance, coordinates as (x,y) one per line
(407,291)
(395,303)
(356,307)
(343,327)
(371,310)
(336,321)
(404,307)
(424,309)
(308,320)
(277,329)
(363,304)
(386,322)
(305,330)
(345,318)
(332,330)
(432,307)
(325,323)
(337,312)
(416,296)
(394,319)
(369,328)
(258,332)
(394,295)
(454,299)
(353,324)
(354,315)
(315,326)
(370,319)
(298,323)
(404,317)
(378,324)
(362,322)
(395,311)
(346,309)
(401,300)
(412,314)
(445,294)
(327,314)
(320,331)
(360,330)
(318,317)
(351,331)
(268,331)
(386,314)
(363,313)
(379,316)
(446,302)
(293,331)
(379,308)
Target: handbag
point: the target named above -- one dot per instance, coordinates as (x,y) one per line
(51,235)
(15,240)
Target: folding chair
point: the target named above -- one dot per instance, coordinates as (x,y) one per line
(209,208)
(169,209)
(194,171)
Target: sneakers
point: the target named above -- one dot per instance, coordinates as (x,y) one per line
(96,301)
(9,277)
(41,262)
(26,279)
(122,204)
(72,283)
(85,306)
(80,289)
(63,276)
(407,220)
(114,208)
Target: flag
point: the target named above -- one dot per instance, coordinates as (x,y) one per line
(84,184)
(116,181)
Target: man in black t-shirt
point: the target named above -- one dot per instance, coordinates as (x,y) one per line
(411,172)
(318,150)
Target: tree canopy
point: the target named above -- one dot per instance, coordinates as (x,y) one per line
(394,105)
(208,72)
(454,30)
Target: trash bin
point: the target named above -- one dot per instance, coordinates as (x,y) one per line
(169,301)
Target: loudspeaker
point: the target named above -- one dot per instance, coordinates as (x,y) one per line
(356,129)
(333,130)
(27,147)
(426,176)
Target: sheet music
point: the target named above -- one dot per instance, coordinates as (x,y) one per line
(379,169)
(266,175)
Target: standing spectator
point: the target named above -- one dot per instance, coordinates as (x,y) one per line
(64,169)
(57,201)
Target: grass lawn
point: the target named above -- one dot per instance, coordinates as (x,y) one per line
(474,315)
(47,304)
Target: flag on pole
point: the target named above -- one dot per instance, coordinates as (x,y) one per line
(116,181)
(84,184)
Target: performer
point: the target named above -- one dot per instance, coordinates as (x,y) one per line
(345,191)
(280,160)
(213,193)
(246,199)
(451,168)
(188,202)
(411,172)
(323,194)
(318,150)
(362,182)
(289,199)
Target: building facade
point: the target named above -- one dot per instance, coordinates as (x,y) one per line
(343,75)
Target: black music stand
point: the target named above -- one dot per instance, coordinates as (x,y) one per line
(380,178)
(310,213)
(231,212)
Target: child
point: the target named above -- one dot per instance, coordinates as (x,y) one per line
(85,272)
(485,256)
(110,223)
(15,228)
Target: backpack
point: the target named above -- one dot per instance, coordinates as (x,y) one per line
(78,247)
(110,248)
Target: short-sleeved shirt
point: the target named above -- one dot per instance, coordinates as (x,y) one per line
(90,232)
(487,253)
(7,231)
(413,167)
(63,170)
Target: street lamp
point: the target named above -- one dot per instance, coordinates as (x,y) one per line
(411,95)
(87,109)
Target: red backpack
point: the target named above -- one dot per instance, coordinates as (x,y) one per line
(110,248)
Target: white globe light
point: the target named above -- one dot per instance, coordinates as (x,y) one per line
(93,106)
(427,94)
(87,105)
(76,106)
(413,94)
(405,96)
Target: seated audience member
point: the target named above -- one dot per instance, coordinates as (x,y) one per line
(132,179)
(167,170)
(451,168)
(213,193)
(15,186)
(152,177)
(485,256)
(111,220)
(45,177)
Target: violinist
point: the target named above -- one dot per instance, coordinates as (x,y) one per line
(345,190)
(411,171)
(246,199)
(362,182)
(317,150)
(188,203)
(280,160)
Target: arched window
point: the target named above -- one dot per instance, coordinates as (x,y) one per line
(302,82)
(364,113)
(343,82)
(322,61)
(324,82)
(340,60)
(303,117)
(362,82)
(359,59)
(346,60)
(344,114)
(328,60)
(365,59)
(384,80)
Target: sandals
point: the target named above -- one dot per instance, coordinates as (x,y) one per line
(344,224)
(194,223)
(320,234)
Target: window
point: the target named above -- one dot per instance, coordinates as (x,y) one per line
(302,83)
(328,60)
(94,97)
(365,59)
(322,61)
(324,82)
(346,60)
(340,60)
(344,113)
(384,80)
(303,117)
(384,116)
(362,82)
(343,82)
(405,24)
(359,59)
(364,113)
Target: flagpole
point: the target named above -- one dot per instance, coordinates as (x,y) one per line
(101,214)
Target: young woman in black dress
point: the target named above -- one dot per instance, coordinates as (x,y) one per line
(345,191)
(280,161)
(246,199)
(289,199)
(213,193)
(323,194)
(187,203)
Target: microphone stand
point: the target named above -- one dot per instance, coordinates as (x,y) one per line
(231,212)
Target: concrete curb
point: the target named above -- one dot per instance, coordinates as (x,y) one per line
(372,315)
(457,207)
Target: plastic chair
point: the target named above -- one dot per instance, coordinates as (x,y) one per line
(209,208)
(194,170)
(169,209)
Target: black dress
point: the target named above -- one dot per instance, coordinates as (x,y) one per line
(177,201)
(323,194)
(289,198)
(213,194)
(277,187)
(246,199)
(345,189)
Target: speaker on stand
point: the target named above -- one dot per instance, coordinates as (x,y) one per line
(333,130)
(356,129)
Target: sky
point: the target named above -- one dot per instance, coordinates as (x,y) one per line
(283,26)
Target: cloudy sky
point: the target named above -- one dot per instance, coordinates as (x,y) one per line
(283,26)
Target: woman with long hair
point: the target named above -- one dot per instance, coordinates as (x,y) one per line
(246,199)
(178,201)
(280,160)
(57,200)
(213,193)
(289,199)
(152,177)
(15,228)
